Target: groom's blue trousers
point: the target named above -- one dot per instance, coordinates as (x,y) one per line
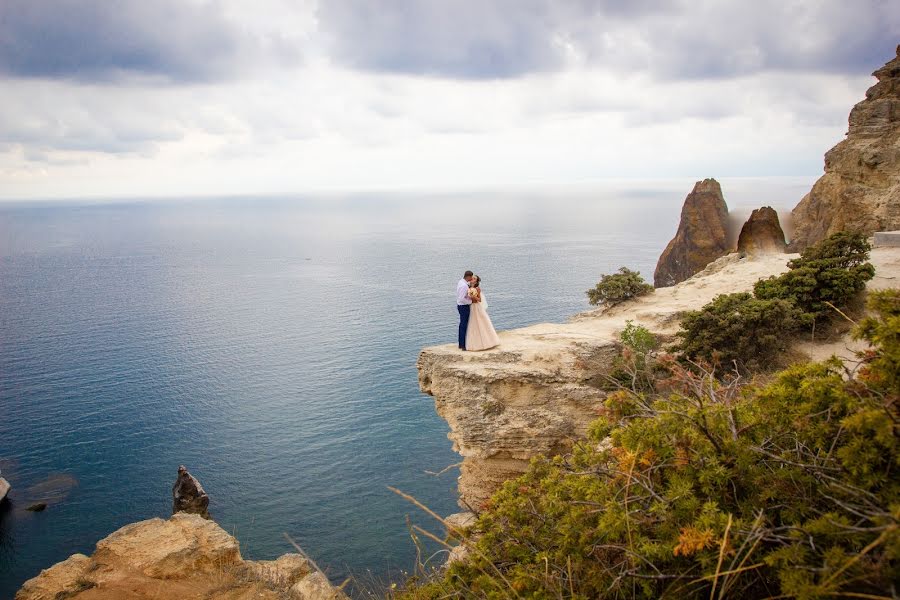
(464,312)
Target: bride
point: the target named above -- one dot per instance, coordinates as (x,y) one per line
(480,334)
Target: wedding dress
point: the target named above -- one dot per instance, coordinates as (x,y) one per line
(480,335)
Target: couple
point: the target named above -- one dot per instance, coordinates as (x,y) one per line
(476,332)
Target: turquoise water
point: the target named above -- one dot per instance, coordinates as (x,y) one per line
(268,344)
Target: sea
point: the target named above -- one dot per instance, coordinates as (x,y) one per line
(269,344)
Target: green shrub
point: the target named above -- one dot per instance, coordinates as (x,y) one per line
(638,338)
(618,287)
(634,368)
(714,489)
(738,328)
(882,329)
(834,271)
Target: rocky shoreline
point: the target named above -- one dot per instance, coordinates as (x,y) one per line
(186,556)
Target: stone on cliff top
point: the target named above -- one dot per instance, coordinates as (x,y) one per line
(762,233)
(188,495)
(702,235)
(284,571)
(315,586)
(860,190)
(460,520)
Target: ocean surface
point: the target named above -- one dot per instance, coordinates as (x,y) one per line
(269,344)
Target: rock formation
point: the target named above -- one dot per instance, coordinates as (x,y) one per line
(185,556)
(188,495)
(702,235)
(860,190)
(762,233)
(538,391)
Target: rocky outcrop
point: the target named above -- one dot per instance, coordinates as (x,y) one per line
(537,392)
(860,190)
(185,556)
(188,495)
(762,233)
(506,406)
(702,235)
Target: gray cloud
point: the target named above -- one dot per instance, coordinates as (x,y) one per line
(676,39)
(99,40)
(470,39)
(43,117)
(723,40)
(466,39)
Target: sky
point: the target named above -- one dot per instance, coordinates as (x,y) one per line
(116,98)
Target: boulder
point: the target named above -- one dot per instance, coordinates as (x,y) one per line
(188,495)
(460,521)
(702,235)
(860,190)
(283,572)
(181,546)
(762,233)
(63,580)
(315,586)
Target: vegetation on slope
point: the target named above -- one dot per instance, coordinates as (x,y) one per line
(707,486)
(751,331)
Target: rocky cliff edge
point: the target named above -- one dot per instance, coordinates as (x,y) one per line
(185,556)
(538,391)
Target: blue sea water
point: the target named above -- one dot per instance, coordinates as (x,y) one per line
(269,344)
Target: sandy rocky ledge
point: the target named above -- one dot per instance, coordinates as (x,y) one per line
(185,556)
(538,391)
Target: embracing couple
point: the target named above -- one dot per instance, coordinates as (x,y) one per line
(476,332)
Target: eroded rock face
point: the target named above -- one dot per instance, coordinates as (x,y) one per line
(539,390)
(860,190)
(702,235)
(505,407)
(762,233)
(188,495)
(185,556)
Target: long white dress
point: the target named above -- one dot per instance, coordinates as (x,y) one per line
(480,334)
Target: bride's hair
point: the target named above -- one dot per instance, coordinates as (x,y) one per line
(477,281)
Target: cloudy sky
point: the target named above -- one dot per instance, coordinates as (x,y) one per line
(180,97)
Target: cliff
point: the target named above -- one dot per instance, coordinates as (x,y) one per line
(185,556)
(860,190)
(702,235)
(538,391)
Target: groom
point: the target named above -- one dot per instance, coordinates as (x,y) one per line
(464,306)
